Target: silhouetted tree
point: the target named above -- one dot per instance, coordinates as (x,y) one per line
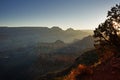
(107,33)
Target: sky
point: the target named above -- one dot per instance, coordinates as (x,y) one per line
(77,14)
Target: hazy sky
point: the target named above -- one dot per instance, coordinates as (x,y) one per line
(78,14)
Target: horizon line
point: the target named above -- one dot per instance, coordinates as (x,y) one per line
(41,27)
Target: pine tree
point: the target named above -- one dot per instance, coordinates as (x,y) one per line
(108,33)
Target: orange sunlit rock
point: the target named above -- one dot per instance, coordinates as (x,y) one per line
(81,69)
(107,68)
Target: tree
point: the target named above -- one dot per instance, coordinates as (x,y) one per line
(108,33)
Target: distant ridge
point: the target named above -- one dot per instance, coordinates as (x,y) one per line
(34,35)
(68,29)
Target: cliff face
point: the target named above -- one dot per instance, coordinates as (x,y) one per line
(107,69)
